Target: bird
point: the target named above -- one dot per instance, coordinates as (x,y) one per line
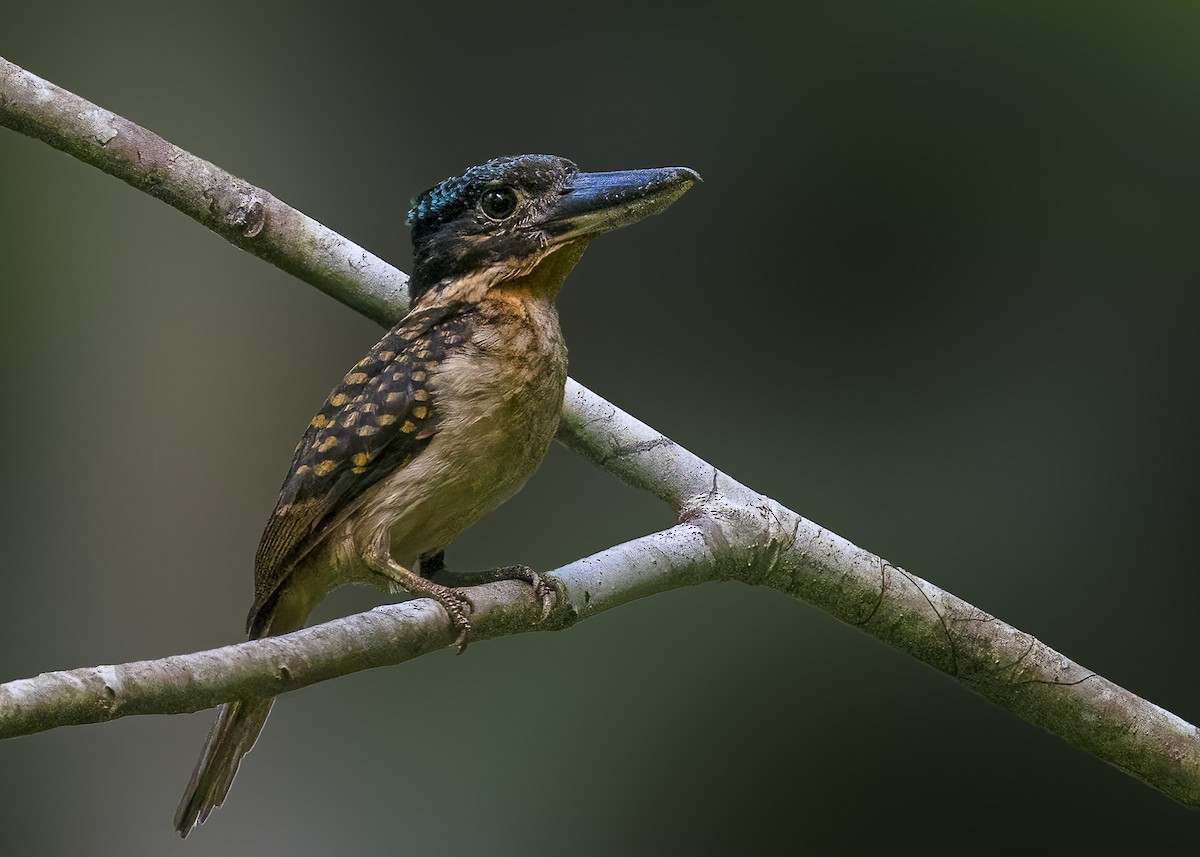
(444,419)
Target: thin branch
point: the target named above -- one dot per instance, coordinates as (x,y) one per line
(726,532)
(386,635)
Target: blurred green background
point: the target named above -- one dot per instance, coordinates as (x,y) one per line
(938,292)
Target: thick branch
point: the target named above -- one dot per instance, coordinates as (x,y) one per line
(726,532)
(245,215)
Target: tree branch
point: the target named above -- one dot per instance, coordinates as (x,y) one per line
(726,531)
(386,635)
(244,215)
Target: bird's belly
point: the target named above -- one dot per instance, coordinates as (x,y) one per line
(492,434)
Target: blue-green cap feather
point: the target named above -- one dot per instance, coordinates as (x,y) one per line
(449,198)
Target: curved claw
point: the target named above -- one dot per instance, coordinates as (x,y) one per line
(464,600)
(455,602)
(459,606)
(544,590)
(461,641)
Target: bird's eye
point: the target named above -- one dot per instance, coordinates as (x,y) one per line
(499,203)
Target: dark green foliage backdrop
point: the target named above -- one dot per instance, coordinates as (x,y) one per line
(938,292)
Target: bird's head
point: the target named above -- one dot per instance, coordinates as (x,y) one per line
(499,221)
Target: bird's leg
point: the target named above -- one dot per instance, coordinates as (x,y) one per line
(545,588)
(455,601)
(432,564)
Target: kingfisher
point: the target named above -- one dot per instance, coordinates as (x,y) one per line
(442,421)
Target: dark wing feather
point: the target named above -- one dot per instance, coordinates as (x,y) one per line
(379,416)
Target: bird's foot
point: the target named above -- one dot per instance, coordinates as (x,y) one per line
(546,588)
(458,605)
(455,602)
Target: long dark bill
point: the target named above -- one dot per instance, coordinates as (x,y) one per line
(599,202)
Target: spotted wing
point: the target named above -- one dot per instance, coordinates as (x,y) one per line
(379,416)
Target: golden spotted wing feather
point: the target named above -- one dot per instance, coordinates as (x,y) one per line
(380,415)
